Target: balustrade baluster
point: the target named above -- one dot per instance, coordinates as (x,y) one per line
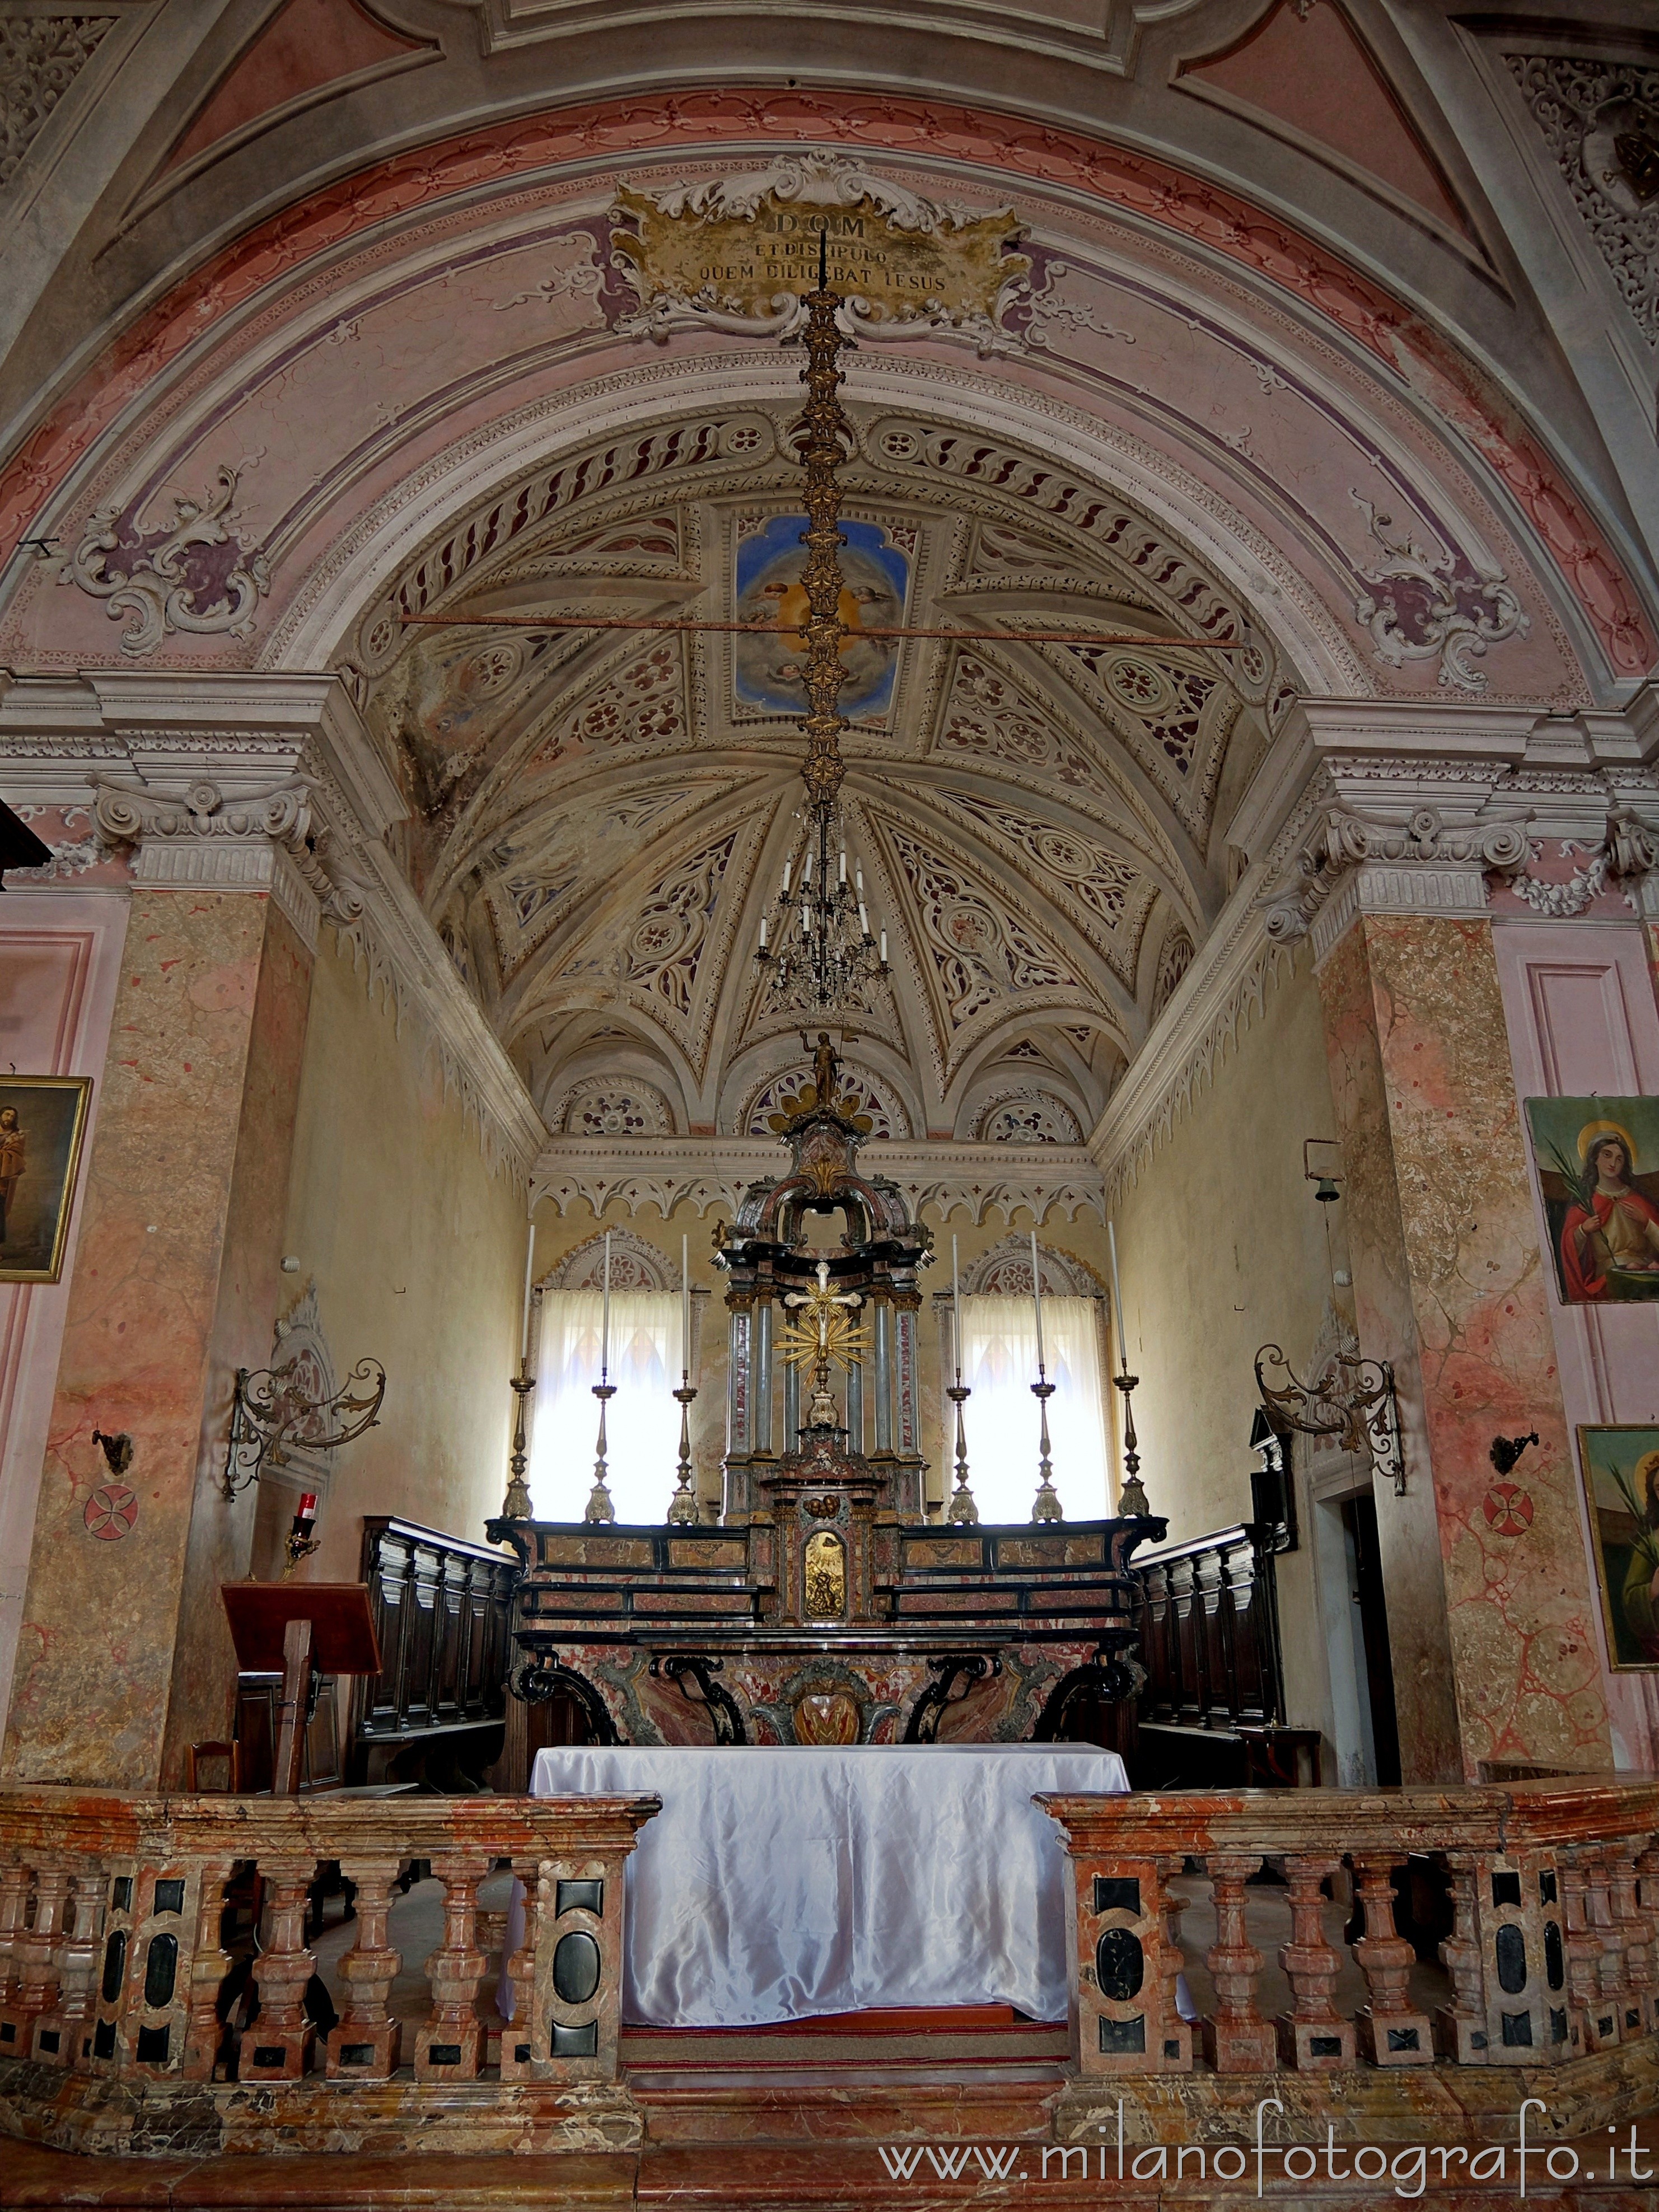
(278,2047)
(1595,2023)
(1461,2025)
(1391,2031)
(364,2047)
(1313,2037)
(210,1962)
(1646,1900)
(449,2047)
(14,1900)
(1237,2040)
(37,1952)
(518,2037)
(1626,1970)
(60,2032)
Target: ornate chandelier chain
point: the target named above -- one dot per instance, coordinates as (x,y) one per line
(822,438)
(824,951)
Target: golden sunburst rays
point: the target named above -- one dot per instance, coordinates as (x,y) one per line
(822,1328)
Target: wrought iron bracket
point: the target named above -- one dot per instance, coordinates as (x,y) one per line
(268,1412)
(1355,1400)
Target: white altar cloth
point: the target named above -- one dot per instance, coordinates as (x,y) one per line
(782,1881)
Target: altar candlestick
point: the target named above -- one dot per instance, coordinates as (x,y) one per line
(524,1325)
(605,1338)
(686,1305)
(963,1513)
(1117,1301)
(1037,1295)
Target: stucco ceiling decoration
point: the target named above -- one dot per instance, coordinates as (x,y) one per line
(1601,118)
(601,816)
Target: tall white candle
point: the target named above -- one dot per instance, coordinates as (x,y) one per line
(686,1305)
(524,1324)
(605,1339)
(956,1307)
(1117,1301)
(1036,1293)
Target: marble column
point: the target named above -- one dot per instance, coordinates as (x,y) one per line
(125,1657)
(1492,1638)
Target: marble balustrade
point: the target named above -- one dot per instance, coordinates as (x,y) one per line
(115,1913)
(120,1918)
(1553,1953)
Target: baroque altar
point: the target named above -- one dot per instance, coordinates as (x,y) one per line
(824,1607)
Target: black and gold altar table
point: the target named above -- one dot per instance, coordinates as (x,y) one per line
(824,1607)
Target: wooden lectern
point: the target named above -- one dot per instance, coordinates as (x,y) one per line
(299,1628)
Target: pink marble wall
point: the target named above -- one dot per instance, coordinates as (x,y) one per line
(251,1285)
(162,1290)
(1494,1644)
(60,952)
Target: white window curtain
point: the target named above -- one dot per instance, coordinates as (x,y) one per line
(643,1424)
(999,1365)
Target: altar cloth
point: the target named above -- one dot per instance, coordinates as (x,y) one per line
(779,1882)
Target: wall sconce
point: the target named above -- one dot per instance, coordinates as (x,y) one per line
(117,1450)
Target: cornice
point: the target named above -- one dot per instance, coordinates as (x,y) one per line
(266,784)
(1396,808)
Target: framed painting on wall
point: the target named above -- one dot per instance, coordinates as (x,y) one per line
(1620,1466)
(1598,1170)
(42,1118)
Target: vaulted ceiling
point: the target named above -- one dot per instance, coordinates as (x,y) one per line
(600,817)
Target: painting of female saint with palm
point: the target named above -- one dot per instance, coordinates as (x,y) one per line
(1598,1172)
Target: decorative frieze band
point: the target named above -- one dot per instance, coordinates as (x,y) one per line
(711,1173)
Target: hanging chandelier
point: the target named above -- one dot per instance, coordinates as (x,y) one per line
(816,948)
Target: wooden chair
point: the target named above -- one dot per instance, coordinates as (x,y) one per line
(230,1753)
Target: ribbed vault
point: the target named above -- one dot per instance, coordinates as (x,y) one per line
(601,816)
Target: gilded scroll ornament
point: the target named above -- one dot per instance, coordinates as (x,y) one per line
(740,253)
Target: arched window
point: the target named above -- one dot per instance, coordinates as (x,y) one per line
(999,1365)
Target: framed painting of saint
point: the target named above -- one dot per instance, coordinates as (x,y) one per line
(1598,1171)
(42,1118)
(1620,1466)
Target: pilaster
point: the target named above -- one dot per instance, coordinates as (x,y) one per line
(1405,827)
(123,1657)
